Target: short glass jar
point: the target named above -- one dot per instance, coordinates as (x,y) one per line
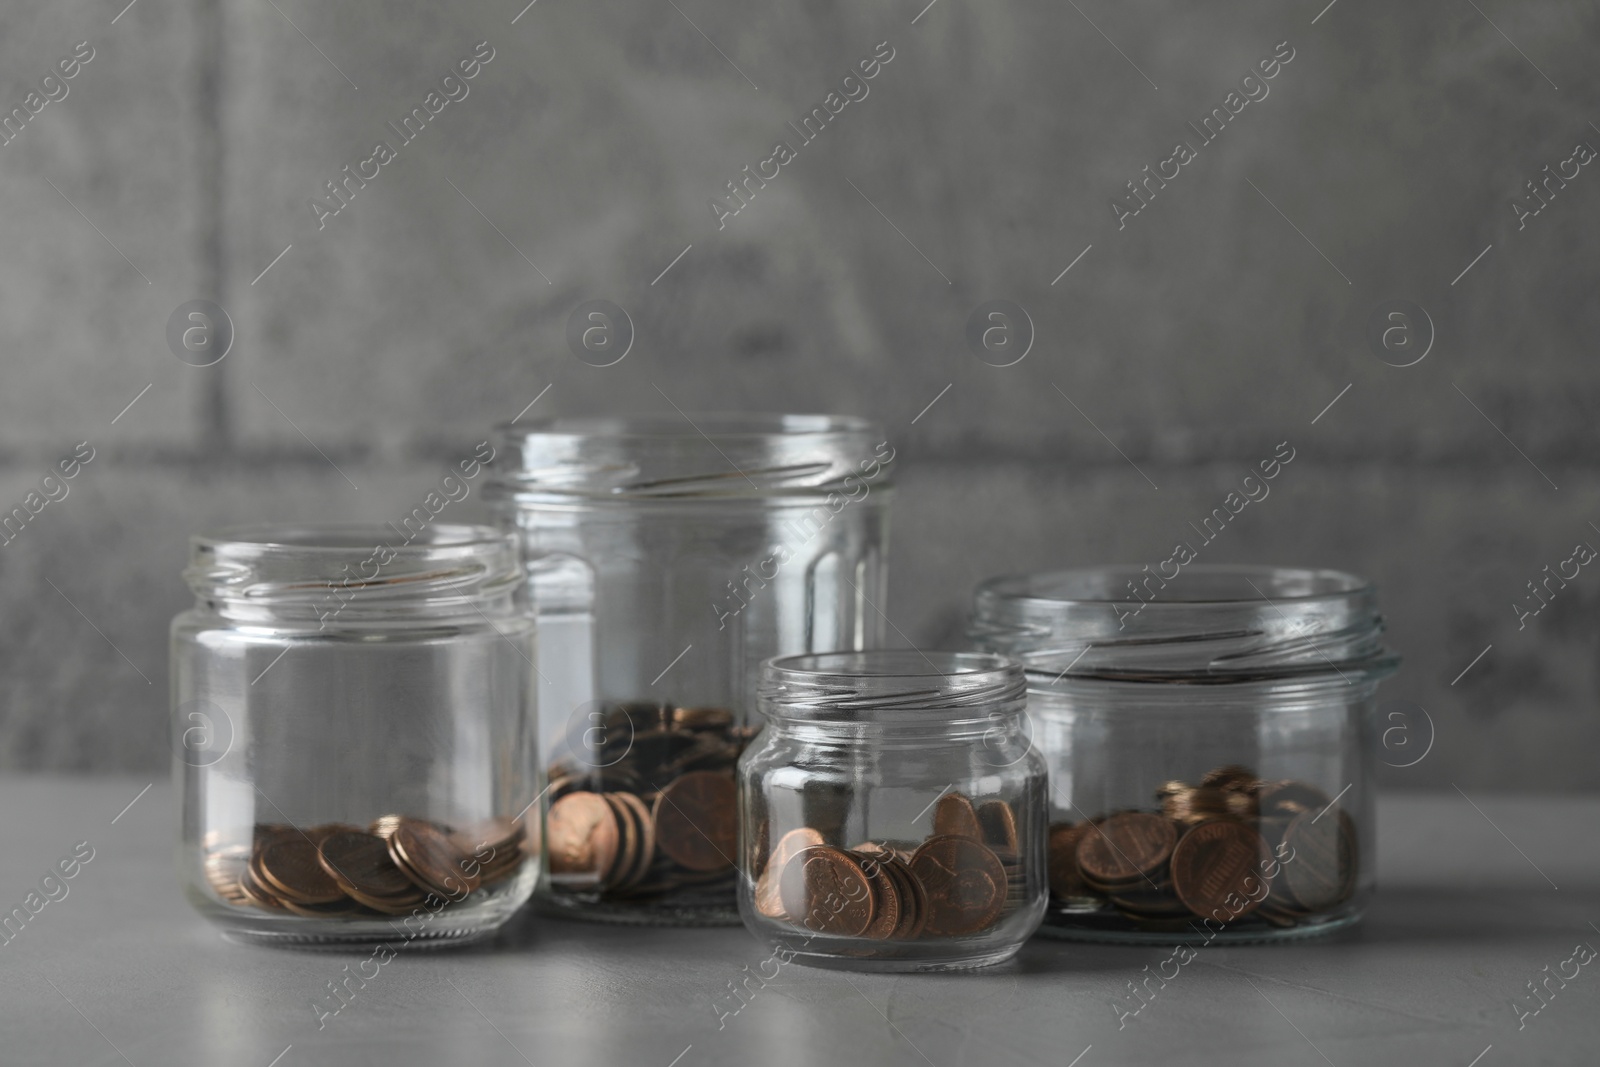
(666,558)
(353,721)
(892,812)
(1211,741)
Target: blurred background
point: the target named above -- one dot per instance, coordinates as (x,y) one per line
(1249,301)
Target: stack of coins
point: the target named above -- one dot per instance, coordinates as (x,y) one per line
(1209,853)
(658,810)
(958,881)
(334,870)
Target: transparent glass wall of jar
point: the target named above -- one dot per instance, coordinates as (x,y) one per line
(1211,740)
(353,723)
(893,812)
(666,558)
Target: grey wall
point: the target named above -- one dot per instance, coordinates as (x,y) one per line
(1215,323)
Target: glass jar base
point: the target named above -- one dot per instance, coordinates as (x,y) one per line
(918,964)
(1076,929)
(634,912)
(461,924)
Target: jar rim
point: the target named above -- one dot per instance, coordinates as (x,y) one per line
(1205,622)
(351,571)
(887,684)
(341,538)
(715,424)
(687,455)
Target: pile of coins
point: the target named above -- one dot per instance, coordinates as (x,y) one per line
(654,811)
(961,880)
(335,870)
(1233,847)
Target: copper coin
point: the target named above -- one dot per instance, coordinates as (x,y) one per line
(583,837)
(1289,797)
(1323,868)
(768,899)
(290,870)
(385,825)
(492,837)
(251,889)
(343,908)
(1232,778)
(359,863)
(696,821)
(913,901)
(627,855)
(426,852)
(887,907)
(825,890)
(999,824)
(1126,847)
(1066,882)
(702,718)
(1217,870)
(954,814)
(964,881)
(647,835)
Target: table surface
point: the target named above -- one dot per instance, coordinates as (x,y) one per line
(1477,897)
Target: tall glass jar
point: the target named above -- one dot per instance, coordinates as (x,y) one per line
(666,558)
(1211,739)
(353,724)
(893,812)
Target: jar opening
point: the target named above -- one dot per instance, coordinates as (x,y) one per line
(1204,623)
(688,456)
(888,685)
(348,571)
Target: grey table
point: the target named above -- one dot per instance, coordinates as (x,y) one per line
(1477,897)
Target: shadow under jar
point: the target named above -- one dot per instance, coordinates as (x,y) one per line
(893,812)
(1211,742)
(353,723)
(666,558)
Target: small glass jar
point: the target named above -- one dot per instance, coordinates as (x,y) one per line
(1211,741)
(893,812)
(353,722)
(666,558)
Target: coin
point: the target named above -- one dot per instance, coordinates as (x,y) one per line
(252,890)
(964,882)
(999,824)
(954,814)
(627,854)
(696,824)
(913,898)
(359,863)
(824,889)
(1290,798)
(1126,847)
(768,899)
(427,855)
(1322,872)
(647,836)
(702,718)
(583,837)
(1232,778)
(887,907)
(1217,870)
(1066,881)
(289,868)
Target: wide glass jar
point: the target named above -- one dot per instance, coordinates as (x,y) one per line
(353,724)
(892,812)
(1211,740)
(666,558)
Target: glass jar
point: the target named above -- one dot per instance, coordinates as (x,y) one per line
(666,558)
(353,723)
(893,812)
(1211,740)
